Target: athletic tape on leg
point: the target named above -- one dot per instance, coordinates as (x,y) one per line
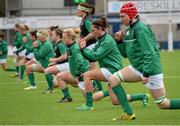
(119,76)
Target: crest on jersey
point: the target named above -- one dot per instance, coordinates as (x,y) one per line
(127,33)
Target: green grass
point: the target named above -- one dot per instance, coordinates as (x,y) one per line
(32,107)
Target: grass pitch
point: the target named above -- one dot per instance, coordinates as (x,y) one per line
(20,107)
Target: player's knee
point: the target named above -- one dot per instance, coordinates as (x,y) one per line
(115,102)
(114,81)
(28,69)
(86,76)
(58,76)
(46,71)
(161,106)
(27,64)
(34,67)
(162,102)
(116,78)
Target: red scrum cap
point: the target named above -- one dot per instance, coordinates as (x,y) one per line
(129,9)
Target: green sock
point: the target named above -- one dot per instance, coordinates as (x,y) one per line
(49,79)
(174,104)
(135,97)
(89,99)
(17,69)
(99,85)
(122,98)
(31,79)
(66,92)
(22,69)
(10,69)
(106,93)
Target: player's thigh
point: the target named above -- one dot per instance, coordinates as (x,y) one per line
(52,69)
(157,93)
(95,74)
(129,76)
(30,62)
(67,77)
(40,69)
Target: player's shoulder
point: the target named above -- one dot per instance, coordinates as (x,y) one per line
(141,26)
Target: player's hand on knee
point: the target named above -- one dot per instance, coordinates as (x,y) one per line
(145,80)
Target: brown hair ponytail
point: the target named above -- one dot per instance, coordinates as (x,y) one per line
(101,22)
(58,32)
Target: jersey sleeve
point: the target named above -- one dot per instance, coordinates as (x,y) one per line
(88,24)
(98,52)
(42,52)
(62,48)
